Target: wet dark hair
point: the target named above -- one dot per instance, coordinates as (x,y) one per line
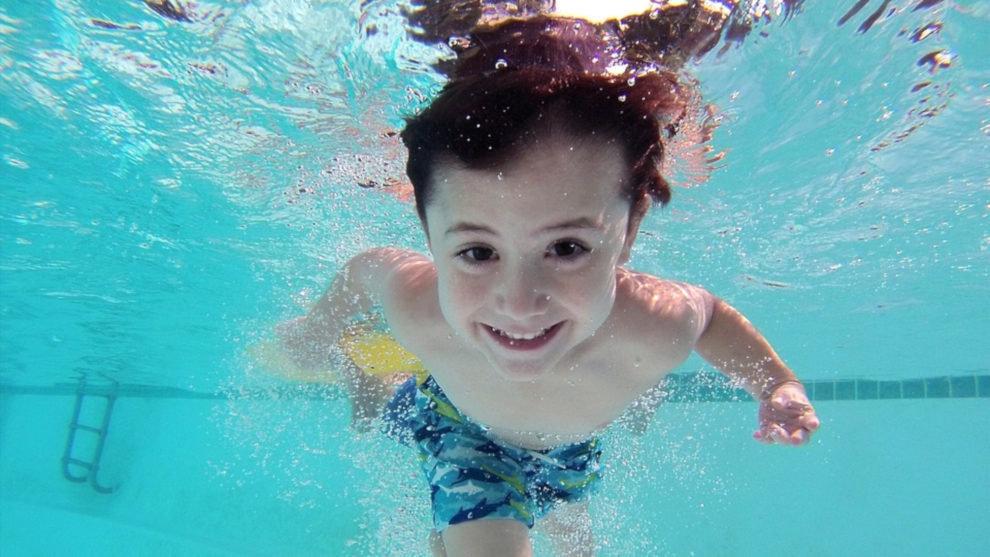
(526,77)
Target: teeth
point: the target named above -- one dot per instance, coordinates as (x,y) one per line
(530,336)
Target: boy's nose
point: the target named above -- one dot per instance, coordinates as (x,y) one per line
(521,295)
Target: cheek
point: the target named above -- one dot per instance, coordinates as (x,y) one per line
(595,289)
(459,296)
(604,291)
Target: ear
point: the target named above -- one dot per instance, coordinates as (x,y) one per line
(631,231)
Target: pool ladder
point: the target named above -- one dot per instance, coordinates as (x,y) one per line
(78,469)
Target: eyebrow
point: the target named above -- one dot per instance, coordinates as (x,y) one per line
(578,223)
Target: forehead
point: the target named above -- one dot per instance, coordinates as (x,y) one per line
(560,176)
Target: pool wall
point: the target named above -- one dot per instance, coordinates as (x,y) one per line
(184,483)
(216,476)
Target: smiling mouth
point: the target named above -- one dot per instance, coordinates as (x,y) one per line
(523,341)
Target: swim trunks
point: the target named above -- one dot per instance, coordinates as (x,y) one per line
(473,476)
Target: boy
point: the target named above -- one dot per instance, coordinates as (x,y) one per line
(531,180)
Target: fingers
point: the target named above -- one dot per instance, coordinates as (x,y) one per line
(786,406)
(811,421)
(787,418)
(778,434)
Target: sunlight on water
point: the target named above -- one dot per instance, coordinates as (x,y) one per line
(178,177)
(225,140)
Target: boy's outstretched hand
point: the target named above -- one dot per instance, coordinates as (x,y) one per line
(786,416)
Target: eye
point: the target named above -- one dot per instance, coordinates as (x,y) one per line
(477,254)
(568,249)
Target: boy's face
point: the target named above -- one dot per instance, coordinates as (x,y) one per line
(527,254)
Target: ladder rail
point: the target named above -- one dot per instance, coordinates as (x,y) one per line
(98,451)
(67,460)
(70,463)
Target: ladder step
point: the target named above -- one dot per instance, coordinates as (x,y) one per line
(81,463)
(87,469)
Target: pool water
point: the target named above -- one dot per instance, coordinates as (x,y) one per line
(173,187)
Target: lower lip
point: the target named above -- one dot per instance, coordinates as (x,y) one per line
(524,344)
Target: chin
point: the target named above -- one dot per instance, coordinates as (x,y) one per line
(520,373)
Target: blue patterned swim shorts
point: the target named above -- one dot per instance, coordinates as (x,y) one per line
(473,476)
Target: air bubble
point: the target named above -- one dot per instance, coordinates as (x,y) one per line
(501,64)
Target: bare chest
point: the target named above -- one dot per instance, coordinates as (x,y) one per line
(570,404)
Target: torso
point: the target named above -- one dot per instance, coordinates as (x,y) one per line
(650,332)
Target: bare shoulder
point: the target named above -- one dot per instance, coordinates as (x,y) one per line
(410,301)
(405,275)
(665,306)
(406,269)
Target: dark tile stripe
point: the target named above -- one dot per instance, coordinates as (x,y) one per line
(709,387)
(678,387)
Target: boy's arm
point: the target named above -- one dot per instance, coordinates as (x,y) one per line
(359,286)
(733,345)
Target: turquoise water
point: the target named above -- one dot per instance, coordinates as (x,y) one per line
(170,190)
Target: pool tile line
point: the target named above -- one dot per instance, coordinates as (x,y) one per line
(678,387)
(706,387)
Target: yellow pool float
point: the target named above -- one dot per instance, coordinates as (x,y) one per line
(376,352)
(366,343)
